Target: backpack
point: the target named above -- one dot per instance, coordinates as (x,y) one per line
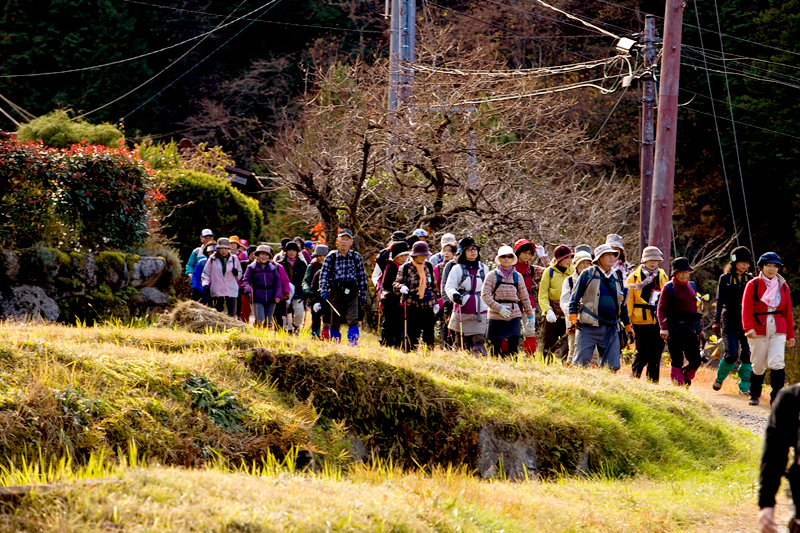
(514,282)
(696,325)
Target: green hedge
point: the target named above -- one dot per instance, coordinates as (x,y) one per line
(195,200)
(57,130)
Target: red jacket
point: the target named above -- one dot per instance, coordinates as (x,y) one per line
(783,320)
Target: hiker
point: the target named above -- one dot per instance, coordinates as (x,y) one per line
(343,282)
(416,284)
(507,297)
(550,298)
(420,234)
(615,241)
(281,254)
(384,256)
(679,322)
(783,431)
(262,285)
(463,284)
(237,248)
(644,287)
(728,320)
(206,236)
(446,311)
(295,268)
(768,325)
(308,251)
(532,275)
(391,305)
(580,262)
(198,294)
(246,308)
(320,314)
(448,239)
(597,309)
(221,276)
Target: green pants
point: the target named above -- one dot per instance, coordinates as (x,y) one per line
(745,369)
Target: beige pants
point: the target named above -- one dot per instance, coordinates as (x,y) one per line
(297,310)
(768,351)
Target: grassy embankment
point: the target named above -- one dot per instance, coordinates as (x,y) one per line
(654,459)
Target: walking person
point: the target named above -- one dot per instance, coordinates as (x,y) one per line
(597,308)
(206,236)
(198,292)
(311,292)
(416,284)
(448,239)
(532,275)
(343,283)
(448,253)
(463,285)
(392,306)
(768,324)
(308,251)
(221,276)
(580,262)
(508,300)
(615,241)
(644,288)
(728,320)
(262,285)
(680,323)
(295,268)
(384,256)
(550,298)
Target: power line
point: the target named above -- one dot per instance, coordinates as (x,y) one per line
(740,58)
(756,70)
(579,19)
(748,110)
(625,90)
(542,92)
(532,72)
(746,124)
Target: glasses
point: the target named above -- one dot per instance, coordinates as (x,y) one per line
(507,256)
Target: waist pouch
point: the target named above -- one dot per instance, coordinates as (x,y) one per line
(348,288)
(685,323)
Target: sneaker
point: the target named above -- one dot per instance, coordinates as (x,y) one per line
(717,385)
(744,393)
(753,401)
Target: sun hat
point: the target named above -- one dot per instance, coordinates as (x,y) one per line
(420,248)
(224,243)
(264,248)
(321,249)
(580,257)
(562,252)
(615,241)
(681,264)
(651,253)
(602,250)
(448,238)
(523,245)
(206,233)
(234,239)
(505,250)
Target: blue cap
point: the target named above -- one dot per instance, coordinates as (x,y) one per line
(419,232)
(769,257)
(308,244)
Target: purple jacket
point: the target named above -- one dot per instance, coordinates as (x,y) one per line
(263,281)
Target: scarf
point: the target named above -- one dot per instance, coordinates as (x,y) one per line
(648,278)
(423,283)
(770,296)
(506,272)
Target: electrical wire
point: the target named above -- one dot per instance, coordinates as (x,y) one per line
(271,5)
(532,72)
(747,110)
(542,92)
(576,18)
(625,90)
(754,70)
(746,124)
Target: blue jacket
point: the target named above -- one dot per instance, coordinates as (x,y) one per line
(197,281)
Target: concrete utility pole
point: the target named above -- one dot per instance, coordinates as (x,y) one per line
(647,128)
(660,234)
(402,44)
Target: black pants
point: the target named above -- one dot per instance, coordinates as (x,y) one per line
(777,379)
(420,324)
(280,314)
(321,317)
(553,331)
(392,324)
(347,305)
(684,343)
(221,302)
(649,347)
(199,296)
(736,344)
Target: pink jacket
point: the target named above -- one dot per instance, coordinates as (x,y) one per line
(287,285)
(226,284)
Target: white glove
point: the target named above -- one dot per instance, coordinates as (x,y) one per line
(505,312)
(540,251)
(436,308)
(551,316)
(317,306)
(403,289)
(532,323)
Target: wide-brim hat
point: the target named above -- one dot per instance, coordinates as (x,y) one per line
(505,250)
(264,249)
(420,248)
(741,253)
(615,241)
(580,257)
(523,245)
(321,249)
(769,257)
(652,253)
(465,243)
(562,252)
(602,250)
(224,243)
(234,239)
(681,264)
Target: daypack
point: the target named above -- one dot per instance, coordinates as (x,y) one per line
(696,324)
(514,282)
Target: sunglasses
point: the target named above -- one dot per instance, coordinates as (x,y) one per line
(507,256)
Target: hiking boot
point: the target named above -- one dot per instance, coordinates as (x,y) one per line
(744,393)
(717,385)
(753,401)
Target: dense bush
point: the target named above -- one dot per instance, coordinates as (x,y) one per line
(85,196)
(57,130)
(195,200)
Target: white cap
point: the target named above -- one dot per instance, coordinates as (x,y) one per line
(206,233)
(449,238)
(419,232)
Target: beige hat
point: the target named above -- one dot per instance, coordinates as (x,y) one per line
(580,257)
(602,250)
(651,253)
(224,242)
(264,248)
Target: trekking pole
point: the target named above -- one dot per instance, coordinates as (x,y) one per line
(334,309)
(460,327)
(406,340)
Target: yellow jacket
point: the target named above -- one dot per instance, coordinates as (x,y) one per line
(639,309)
(550,287)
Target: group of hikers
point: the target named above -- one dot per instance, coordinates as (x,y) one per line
(593,301)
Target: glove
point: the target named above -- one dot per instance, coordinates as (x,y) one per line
(457,298)
(664,334)
(717,329)
(207,289)
(436,308)
(532,323)
(551,316)
(505,312)
(235,272)
(324,295)
(573,319)
(317,307)
(540,251)
(403,289)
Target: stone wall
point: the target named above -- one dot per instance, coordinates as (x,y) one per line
(48,284)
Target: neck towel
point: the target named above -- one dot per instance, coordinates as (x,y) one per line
(770,296)
(422,279)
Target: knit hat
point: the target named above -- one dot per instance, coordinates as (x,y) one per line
(681,264)
(523,245)
(321,249)
(601,250)
(741,253)
(399,248)
(251,249)
(264,248)
(206,233)
(291,246)
(615,241)
(584,248)
(419,232)
(448,238)
(651,253)
(398,236)
(346,232)
(562,252)
(581,257)
(769,257)
(224,243)
(420,248)
(505,250)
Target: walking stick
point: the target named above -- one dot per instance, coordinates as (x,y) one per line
(334,309)
(406,340)
(460,327)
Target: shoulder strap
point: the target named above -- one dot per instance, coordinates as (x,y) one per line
(552,272)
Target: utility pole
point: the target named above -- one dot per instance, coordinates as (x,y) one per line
(647,128)
(660,234)
(402,44)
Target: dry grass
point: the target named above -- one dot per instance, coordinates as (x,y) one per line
(198,318)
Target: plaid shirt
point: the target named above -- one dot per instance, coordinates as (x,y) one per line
(407,275)
(348,269)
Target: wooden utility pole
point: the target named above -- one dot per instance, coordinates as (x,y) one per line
(647,128)
(660,234)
